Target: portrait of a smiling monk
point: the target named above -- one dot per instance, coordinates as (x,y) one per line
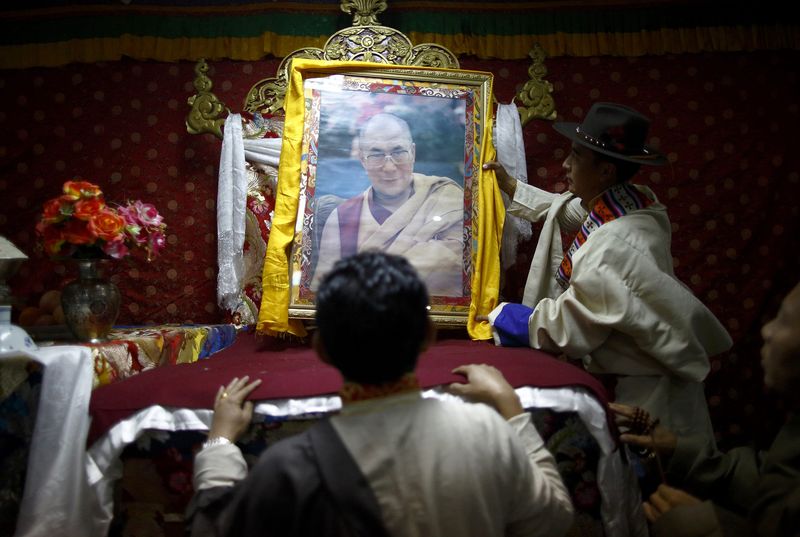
(417,216)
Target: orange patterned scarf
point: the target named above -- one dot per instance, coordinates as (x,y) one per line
(615,202)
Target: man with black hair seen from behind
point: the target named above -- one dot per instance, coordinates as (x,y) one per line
(392,462)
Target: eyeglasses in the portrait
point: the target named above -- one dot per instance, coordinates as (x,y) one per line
(377,160)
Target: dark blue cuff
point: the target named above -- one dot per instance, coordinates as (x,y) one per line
(512,325)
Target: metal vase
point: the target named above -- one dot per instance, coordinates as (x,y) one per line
(90,303)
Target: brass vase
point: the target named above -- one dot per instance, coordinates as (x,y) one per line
(90,303)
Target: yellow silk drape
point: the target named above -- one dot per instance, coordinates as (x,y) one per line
(273,317)
(491,215)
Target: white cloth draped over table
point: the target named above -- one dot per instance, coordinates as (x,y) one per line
(621,511)
(56,499)
(232,204)
(69,492)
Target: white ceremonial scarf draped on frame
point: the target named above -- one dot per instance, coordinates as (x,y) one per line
(511,154)
(232,205)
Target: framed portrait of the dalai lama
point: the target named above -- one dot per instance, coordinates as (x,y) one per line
(390,159)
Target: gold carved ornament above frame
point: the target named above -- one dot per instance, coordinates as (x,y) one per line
(367,41)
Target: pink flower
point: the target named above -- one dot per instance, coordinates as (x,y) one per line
(129,214)
(147,214)
(156,242)
(116,249)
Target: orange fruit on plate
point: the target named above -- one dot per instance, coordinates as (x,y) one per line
(50,300)
(29,315)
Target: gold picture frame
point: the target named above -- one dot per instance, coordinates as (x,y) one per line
(447,111)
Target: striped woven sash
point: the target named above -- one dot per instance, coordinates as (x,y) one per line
(617,201)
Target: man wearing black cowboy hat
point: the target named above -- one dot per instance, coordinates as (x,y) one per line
(612,298)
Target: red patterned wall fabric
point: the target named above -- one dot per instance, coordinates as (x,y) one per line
(728,121)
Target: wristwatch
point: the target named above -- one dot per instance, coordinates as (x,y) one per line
(216,441)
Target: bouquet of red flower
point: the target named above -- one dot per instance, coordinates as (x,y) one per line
(79,224)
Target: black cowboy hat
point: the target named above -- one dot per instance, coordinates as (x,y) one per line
(616,131)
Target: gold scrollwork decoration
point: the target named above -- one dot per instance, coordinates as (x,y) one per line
(535,95)
(266,96)
(433,55)
(204,115)
(376,44)
(366,11)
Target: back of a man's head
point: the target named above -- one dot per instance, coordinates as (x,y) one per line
(372,317)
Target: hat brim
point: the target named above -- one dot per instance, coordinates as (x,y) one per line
(652,158)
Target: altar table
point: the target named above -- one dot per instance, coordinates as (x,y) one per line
(156,407)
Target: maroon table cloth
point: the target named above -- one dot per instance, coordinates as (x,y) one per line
(296,372)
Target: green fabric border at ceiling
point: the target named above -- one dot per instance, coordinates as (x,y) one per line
(100,26)
(61,35)
(199,24)
(573,22)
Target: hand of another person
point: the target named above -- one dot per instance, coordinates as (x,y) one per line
(486,384)
(506,183)
(481,318)
(664,499)
(232,414)
(654,437)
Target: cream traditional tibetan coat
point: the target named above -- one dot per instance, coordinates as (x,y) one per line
(625,312)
